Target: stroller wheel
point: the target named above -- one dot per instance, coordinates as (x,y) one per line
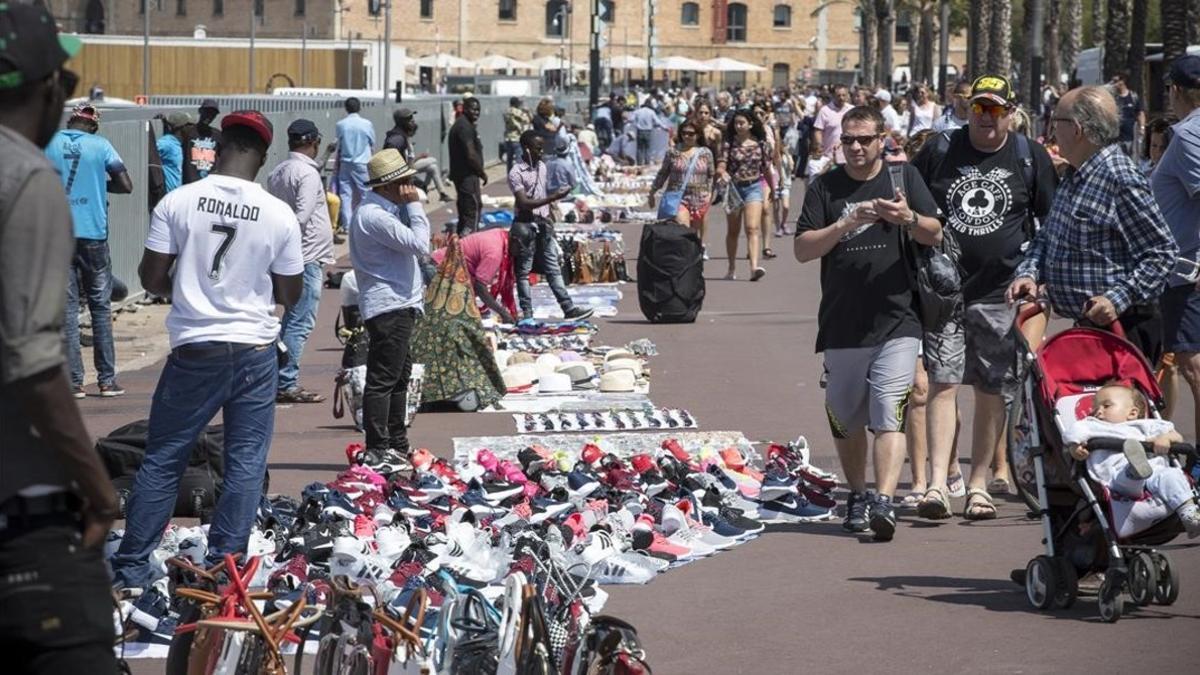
(1112,603)
(1143,578)
(1041,583)
(1166,592)
(1068,584)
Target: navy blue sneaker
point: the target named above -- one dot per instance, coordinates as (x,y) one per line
(339,505)
(721,526)
(496,491)
(552,507)
(792,509)
(474,500)
(858,511)
(581,484)
(776,484)
(433,486)
(400,503)
(883,518)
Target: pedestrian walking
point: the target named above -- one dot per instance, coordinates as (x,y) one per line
(956,115)
(1176,186)
(226,252)
(531,238)
(466,167)
(688,169)
(645,121)
(1133,112)
(993,185)
(200,151)
(516,121)
(90,169)
(1112,264)
(388,237)
(745,167)
(924,109)
(170,147)
(56,502)
(856,220)
(828,126)
(355,142)
(296,181)
(400,138)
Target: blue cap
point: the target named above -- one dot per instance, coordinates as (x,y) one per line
(302,128)
(1185,72)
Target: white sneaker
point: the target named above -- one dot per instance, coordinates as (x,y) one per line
(194,548)
(261,544)
(621,569)
(391,541)
(596,547)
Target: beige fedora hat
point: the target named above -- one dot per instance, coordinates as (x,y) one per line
(617,381)
(519,379)
(632,365)
(386,166)
(619,354)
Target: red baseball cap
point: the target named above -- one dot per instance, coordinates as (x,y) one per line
(250,118)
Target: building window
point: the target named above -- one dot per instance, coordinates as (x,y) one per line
(426,9)
(690,14)
(508,10)
(258,8)
(374,7)
(218,7)
(607,10)
(558,22)
(783,16)
(301,8)
(904,28)
(781,74)
(180,7)
(735,22)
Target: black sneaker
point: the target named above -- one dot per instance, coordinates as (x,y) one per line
(578,313)
(78,392)
(858,512)
(111,390)
(883,518)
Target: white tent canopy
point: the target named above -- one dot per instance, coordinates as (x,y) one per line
(501,62)
(724,64)
(445,61)
(681,63)
(554,62)
(627,62)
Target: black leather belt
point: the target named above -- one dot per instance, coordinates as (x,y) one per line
(25,513)
(202,350)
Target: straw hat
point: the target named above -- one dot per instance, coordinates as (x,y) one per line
(554,383)
(520,357)
(502,357)
(519,379)
(632,365)
(547,363)
(387,166)
(617,381)
(580,372)
(618,354)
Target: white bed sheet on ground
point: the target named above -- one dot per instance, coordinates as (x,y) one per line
(622,445)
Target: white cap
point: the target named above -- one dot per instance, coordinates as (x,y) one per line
(884,95)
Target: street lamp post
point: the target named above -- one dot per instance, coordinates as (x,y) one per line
(387,48)
(253,30)
(146,51)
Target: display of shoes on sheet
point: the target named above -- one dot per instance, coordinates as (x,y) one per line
(609,420)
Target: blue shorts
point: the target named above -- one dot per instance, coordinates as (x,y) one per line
(1180,306)
(750,192)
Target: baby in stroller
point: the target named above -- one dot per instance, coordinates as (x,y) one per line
(1118,412)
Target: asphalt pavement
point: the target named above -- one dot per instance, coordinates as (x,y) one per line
(799,598)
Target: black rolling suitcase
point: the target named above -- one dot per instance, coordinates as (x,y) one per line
(670,273)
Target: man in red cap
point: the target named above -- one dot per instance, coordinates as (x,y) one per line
(226,252)
(56,503)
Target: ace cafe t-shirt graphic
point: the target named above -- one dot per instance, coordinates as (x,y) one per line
(976,202)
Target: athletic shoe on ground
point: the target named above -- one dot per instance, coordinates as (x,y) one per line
(290,576)
(391,541)
(792,509)
(78,392)
(386,462)
(858,511)
(578,313)
(152,606)
(580,484)
(496,490)
(883,518)
(402,504)
(111,390)
(776,484)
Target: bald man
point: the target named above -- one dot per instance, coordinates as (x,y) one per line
(1105,251)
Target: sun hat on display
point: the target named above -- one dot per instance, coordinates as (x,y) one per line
(617,381)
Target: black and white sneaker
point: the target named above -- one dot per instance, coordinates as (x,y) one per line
(578,313)
(858,511)
(883,518)
(386,462)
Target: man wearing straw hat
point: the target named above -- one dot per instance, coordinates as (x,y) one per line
(389,234)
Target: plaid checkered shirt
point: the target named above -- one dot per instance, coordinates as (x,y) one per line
(1104,236)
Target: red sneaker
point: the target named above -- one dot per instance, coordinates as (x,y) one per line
(591,454)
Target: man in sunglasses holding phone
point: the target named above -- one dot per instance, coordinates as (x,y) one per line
(56,503)
(992,183)
(867,324)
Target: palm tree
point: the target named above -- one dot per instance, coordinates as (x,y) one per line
(1098,23)
(1026,69)
(1174,29)
(1193,22)
(1053,60)
(979,19)
(1137,45)
(999,56)
(886,11)
(1116,37)
(867,53)
(1071,34)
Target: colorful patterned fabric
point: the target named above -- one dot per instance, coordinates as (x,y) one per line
(450,340)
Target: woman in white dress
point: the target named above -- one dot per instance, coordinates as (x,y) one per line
(924,110)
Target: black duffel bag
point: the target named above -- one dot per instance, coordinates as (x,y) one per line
(670,273)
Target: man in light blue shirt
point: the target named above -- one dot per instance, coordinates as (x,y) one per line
(356,142)
(389,234)
(559,173)
(1176,186)
(170,148)
(645,120)
(90,168)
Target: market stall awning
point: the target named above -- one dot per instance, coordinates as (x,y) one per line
(445,62)
(554,62)
(626,62)
(501,62)
(681,63)
(724,64)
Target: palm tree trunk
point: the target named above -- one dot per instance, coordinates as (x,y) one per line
(1137,45)
(887,40)
(1116,37)
(1071,34)
(1193,22)
(980,18)
(869,22)
(999,59)
(1174,30)
(1098,17)
(1053,58)
(1025,74)
(928,40)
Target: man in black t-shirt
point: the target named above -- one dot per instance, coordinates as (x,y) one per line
(1133,113)
(990,182)
(200,143)
(854,219)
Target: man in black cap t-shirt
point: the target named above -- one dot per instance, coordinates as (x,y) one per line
(400,136)
(56,503)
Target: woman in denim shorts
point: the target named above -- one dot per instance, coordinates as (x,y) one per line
(745,164)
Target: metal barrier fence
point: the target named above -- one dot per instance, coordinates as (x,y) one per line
(129,215)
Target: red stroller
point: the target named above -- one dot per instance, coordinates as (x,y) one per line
(1086,529)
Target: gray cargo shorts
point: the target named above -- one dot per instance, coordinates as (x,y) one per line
(869,386)
(977,347)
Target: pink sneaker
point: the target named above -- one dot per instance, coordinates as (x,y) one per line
(486,459)
(510,472)
(364,526)
(591,454)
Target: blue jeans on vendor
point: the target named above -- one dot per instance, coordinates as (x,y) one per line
(199,380)
(535,241)
(297,324)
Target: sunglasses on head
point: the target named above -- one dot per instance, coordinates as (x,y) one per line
(864,141)
(989,109)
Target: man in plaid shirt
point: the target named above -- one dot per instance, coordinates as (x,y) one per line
(1105,250)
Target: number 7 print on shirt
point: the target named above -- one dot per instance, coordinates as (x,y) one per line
(229,232)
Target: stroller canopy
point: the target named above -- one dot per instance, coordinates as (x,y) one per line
(1082,359)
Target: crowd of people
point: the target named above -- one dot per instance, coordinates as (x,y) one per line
(1065,215)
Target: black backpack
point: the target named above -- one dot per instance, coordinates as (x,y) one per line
(670,273)
(941,148)
(123,450)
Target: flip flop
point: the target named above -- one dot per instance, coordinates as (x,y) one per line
(956,486)
(911,500)
(979,505)
(934,505)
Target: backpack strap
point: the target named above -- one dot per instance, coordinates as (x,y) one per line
(1028,175)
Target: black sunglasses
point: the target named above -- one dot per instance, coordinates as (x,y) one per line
(864,141)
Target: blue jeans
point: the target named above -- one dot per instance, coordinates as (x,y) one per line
(92,269)
(537,242)
(198,380)
(297,325)
(644,140)
(512,152)
(352,185)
